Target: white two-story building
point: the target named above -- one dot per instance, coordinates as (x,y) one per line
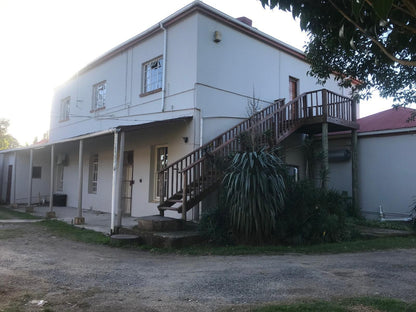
(152,100)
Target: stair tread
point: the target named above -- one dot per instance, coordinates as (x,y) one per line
(169,208)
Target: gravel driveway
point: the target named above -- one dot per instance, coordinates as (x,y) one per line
(74,276)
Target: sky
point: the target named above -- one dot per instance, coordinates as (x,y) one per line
(45,42)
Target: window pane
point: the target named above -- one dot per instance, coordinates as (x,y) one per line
(100,92)
(153,72)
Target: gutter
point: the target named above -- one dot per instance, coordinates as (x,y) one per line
(200,7)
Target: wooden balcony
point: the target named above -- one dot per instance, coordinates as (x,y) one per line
(187,181)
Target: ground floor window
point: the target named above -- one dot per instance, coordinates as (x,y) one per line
(36,172)
(59,178)
(161,162)
(93,174)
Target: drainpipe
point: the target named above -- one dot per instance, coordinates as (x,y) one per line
(164,65)
(114,181)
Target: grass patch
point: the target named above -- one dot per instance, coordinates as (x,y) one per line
(7,233)
(60,228)
(392,225)
(326,248)
(65,230)
(68,231)
(8,213)
(365,304)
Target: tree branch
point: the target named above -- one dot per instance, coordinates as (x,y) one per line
(374,40)
(409,28)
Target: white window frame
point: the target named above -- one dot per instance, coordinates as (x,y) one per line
(65,109)
(152,75)
(59,178)
(99,94)
(157,167)
(93,174)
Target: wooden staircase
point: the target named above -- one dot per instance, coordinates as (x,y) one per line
(184,183)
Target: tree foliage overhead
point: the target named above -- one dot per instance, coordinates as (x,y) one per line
(6,140)
(373,41)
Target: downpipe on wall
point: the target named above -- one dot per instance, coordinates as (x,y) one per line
(164,65)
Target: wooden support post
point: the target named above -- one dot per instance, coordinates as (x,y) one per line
(354,162)
(354,173)
(325,164)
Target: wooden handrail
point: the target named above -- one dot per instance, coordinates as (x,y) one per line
(193,173)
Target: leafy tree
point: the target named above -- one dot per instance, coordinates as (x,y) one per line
(373,41)
(6,140)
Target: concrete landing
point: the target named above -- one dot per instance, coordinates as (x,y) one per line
(124,239)
(164,232)
(160,224)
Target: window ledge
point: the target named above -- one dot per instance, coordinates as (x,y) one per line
(63,120)
(97,109)
(150,92)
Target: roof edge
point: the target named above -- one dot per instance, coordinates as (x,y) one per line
(200,7)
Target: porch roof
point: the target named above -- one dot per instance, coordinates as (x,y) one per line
(127,128)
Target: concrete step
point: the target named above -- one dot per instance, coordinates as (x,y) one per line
(159,224)
(124,239)
(173,239)
(164,232)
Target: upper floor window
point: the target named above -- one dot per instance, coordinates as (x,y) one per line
(152,75)
(64,109)
(99,95)
(293,88)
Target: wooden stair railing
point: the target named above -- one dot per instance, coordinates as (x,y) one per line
(184,183)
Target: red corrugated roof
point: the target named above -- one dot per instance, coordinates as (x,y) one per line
(390,119)
(41,142)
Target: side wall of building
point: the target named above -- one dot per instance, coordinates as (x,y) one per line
(386,171)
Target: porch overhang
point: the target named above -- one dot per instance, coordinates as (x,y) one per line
(129,128)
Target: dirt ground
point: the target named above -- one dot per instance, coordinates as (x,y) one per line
(72,276)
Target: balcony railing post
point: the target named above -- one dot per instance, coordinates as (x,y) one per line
(184,196)
(325,104)
(161,191)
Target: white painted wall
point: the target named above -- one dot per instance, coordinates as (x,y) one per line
(386,172)
(124,76)
(40,187)
(231,71)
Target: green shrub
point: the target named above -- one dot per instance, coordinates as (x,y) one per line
(254,191)
(215,223)
(312,215)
